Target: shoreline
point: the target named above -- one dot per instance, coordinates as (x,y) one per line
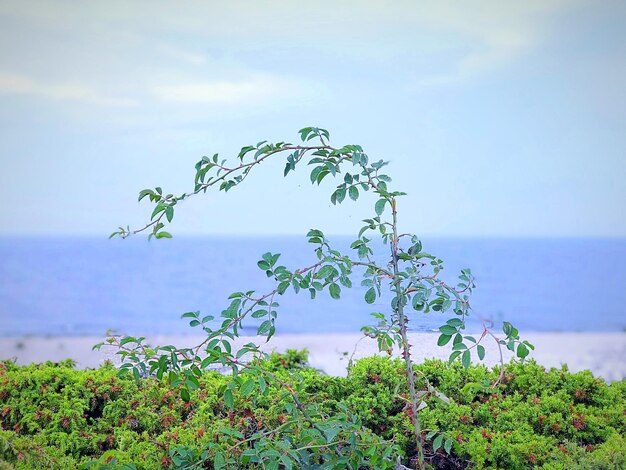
(602,353)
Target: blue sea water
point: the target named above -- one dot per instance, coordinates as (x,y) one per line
(76,286)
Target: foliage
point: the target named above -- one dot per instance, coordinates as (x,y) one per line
(411,276)
(53,416)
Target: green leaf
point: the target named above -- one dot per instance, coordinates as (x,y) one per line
(417,302)
(127,339)
(315,173)
(443,340)
(163,235)
(453,356)
(325,272)
(480,350)
(160,207)
(259,313)
(229,400)
(192,383)
(173,378)
(219,462)
(415,249)
(447,329)
(322,175)
(379,207)
(169,213)
(522,351)
(437,442)
(304,132)
(335,290)
(144,193)
(315,233)
(264,328)
(353,192)
(340,195)
(286,461)
(448,445)
(466,359)
(370,295)
(247,388)
(273,258)
(244,151)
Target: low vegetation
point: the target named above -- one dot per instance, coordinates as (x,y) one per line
(53,416)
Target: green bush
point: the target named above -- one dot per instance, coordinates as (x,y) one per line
(53,416)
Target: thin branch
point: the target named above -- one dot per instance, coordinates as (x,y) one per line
(227,172)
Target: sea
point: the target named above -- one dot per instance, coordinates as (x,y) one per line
(52,286)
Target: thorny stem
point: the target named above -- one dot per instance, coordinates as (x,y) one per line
(497,340)
(406,347)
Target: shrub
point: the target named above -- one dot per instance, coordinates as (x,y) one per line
(126,423)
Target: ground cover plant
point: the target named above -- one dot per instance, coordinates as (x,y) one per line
(53,416)
(411,275)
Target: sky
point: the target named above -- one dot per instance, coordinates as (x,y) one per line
(499,119)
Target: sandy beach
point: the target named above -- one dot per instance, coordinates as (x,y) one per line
(602,353)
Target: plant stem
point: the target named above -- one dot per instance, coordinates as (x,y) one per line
(406,347)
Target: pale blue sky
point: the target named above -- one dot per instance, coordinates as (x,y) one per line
(499,118)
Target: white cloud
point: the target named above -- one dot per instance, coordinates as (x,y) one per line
(182,54)
(11,84)
(495,33)
(253,90)
(452,41)
(166,54)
